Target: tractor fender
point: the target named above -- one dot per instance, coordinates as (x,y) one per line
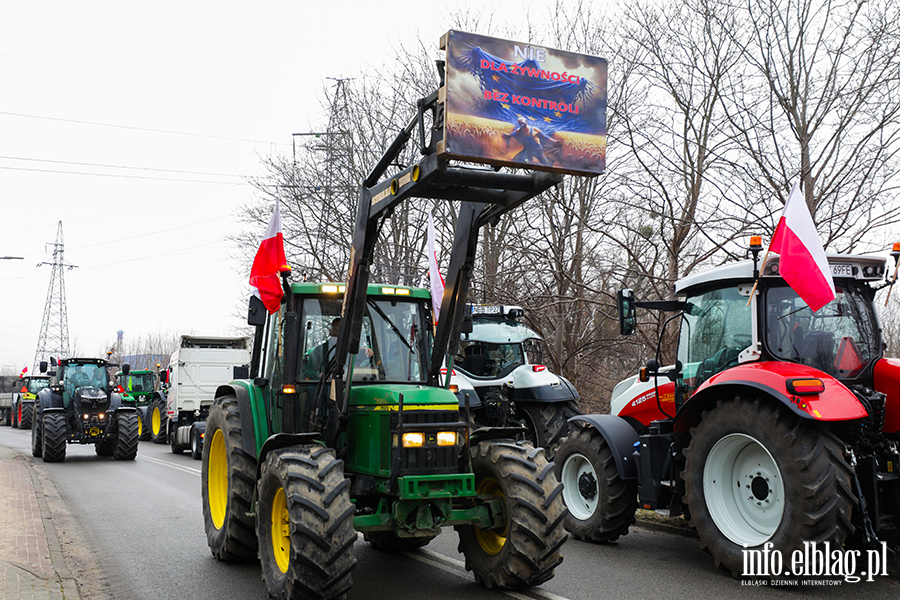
(48,399)
(245,411)
(770,378)
(619,435)
(115,402)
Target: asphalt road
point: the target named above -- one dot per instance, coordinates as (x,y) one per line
(138,528)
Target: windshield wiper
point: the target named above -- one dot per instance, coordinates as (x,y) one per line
(387,320)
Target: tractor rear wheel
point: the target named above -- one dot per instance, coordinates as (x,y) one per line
(228,476)
(25,418)
(601,504)
(126,444)
(54,437)
(526,549)
(37,439)
(144,419)
(159,421)
(387,541)
(548,422)
(756,473)
(305,524)
(105,448)
(14,419)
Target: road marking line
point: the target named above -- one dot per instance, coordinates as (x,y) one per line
(171,465)
(436,559)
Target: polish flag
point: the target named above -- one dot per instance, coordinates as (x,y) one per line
(434,273)
(269,262)
(803,264)
(24,370)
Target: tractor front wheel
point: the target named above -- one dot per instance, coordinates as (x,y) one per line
(127,440)
(548,422)
(756,473)
(228,476)
(37,438)
(25,417)
(601,504)
(525,550)
(54,437)
(159,421)
(305,524)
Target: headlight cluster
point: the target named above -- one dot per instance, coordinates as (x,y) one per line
(415,439)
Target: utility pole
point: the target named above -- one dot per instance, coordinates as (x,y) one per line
(54,337)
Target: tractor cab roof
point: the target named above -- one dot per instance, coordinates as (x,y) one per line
(848,266)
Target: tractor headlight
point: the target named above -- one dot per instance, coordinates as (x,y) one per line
(87,416)
(446,438)
(413,440)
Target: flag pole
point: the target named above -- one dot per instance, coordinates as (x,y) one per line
(755,247)
(896,254)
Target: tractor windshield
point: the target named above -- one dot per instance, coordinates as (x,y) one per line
(841,338)
(393,336)
(715,327)
(35,385)
(139,382)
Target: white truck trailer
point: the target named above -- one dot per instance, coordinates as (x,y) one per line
(188,388)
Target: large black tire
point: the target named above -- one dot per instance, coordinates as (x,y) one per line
(196,445)
(756,473)
(176,447)
(144,423)
(387,541)
(601,504)
(37,438)
(105,448)
(159,422)
(548,422)
(305,524)
(228,476)
(127,440)
(527,549)
(14,419)
(54,437)
(27,411)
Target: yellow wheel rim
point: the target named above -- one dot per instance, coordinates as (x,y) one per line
(157,421)
(217,479)
(140,426)
(489,540)
(281,531)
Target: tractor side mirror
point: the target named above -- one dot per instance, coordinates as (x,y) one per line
(627,314)
(53,361)
(126,369)
(164,377)
(43,366)
(256,314)
(466,326)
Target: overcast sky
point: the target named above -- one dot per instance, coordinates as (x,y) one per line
(136,126)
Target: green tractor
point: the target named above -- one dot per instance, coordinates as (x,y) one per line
(346,423)
(138,389)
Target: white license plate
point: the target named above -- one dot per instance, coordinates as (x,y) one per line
(842,270)
(481,309)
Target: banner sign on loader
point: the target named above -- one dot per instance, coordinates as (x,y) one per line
(520,105)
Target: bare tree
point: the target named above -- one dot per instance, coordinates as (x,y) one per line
(816,99)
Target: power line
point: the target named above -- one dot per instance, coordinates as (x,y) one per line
(83,164)
(54,171)
(134,128)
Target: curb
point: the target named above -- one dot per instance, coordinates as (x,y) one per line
(69,586)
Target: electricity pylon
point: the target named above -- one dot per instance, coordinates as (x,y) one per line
(54,336)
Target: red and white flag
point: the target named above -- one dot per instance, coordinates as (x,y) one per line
(269,262)
(803,263)
(24,370)
(434,273)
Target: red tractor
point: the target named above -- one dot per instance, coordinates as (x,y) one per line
(776,426)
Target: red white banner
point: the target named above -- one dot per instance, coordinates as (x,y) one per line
(434,273)
(803,263)
(269,262)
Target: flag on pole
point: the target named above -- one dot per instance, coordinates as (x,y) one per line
(803,263)
(434,273)
(269,262)
(24,370)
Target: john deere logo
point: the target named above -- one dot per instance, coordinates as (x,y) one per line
(94,431)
